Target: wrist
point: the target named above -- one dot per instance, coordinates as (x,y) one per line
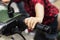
(39,19)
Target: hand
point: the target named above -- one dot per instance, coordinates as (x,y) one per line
(31,22)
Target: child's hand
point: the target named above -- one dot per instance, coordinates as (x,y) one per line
(31,22)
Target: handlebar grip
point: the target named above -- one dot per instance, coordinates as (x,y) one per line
(44,28)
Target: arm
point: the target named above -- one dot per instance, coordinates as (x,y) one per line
(31,21)
(39,9)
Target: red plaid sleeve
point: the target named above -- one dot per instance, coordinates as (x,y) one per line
(38,1)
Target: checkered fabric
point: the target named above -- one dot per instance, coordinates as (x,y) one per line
(49,10)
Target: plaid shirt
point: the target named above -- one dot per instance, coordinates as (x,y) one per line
(49,10)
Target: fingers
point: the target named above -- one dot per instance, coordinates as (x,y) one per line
(33,26)
(31,22)
(28,22)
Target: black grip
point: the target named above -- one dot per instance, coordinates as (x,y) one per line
(42,27)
